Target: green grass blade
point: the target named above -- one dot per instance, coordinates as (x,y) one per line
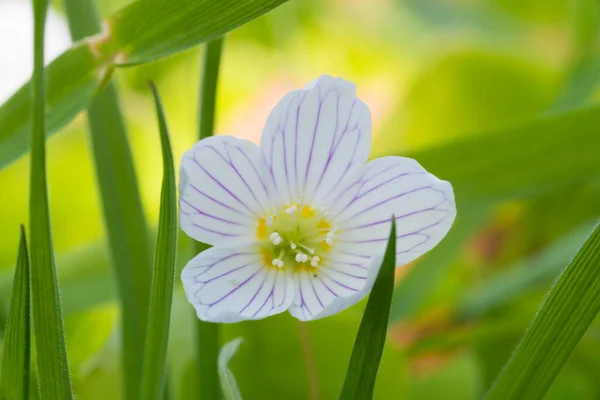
(123,213)
(136,34)
(370,339)
(207,333)
(154,371)
(571,306)
(52,365)
(228,383)
(412,290)
(14,376)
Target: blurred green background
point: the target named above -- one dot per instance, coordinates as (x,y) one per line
(434,73)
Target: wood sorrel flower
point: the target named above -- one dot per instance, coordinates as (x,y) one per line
(300,223)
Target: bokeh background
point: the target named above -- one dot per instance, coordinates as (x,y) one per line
(433,72)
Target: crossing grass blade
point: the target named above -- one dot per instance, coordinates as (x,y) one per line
(228,383)
(207,333)
(154,367)
(52,365)
(370,339)
(571,306)
(123,213)
(138,33)
(14,375)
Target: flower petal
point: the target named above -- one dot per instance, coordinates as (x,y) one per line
(222,195)
(341,303)
(233,284)
(314,139)
(337,283)
(423,205)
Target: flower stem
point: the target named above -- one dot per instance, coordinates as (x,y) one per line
(207,334)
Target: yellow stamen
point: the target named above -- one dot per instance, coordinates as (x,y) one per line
(308,212)
(323,224)
(261,231)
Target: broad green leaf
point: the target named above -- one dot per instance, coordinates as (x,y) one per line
(514,163)
(228,383)
(370,340)
(571,306)
(161,298)
(207,333)
(16,355)
(524,276)
(414,288)
(52,364)
(136,34)
(123,213)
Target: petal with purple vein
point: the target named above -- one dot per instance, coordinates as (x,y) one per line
(314,139)
(233,284)
(222,194)
(423,205)
(338,277)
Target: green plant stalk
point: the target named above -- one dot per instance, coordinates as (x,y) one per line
(157,339)
(52,365)
(123,212)
(370,339)
(16,355)
(571,306)
(207,333)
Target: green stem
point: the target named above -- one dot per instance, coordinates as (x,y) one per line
(207,334)
(208,87)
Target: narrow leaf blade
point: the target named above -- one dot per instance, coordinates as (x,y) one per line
(52,365)
(153,377)
(228,383)
(368,347)
(123,212)
(571,306)
(14,376)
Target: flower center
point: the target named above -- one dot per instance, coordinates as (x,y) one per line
(296,237)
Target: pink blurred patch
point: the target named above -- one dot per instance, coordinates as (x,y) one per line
(247,122)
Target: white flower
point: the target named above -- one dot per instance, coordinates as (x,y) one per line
(16,43)
(301,222)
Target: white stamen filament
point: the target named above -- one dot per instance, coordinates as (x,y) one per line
(305,248)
